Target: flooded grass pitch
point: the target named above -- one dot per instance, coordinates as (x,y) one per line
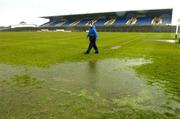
(96,89)
(47,76)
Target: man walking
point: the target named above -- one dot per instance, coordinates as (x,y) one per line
(92,36)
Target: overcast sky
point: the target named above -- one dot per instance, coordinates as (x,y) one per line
(14,11)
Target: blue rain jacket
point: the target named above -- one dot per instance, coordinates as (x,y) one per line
(92,32)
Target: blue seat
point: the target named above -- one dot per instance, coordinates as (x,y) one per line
(120,21)
(100,22)
(83,22)
(50,23)
(54,23)
(68,22)
(144,21)
(141,21)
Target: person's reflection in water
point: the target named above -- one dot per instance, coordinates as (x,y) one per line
(92,76)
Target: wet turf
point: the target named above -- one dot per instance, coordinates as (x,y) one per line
(46,76)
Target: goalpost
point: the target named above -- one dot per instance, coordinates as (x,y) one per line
(177,36)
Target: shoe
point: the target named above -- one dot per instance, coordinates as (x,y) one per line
(97,52)
(86,53)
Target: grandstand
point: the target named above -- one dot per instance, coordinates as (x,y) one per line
(140,17)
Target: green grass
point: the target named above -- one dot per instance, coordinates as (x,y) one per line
(43,49)
(25,97)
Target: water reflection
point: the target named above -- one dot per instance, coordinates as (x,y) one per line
(92,75)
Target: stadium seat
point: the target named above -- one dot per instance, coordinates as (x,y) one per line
(75,23)
(132,21)
(144,21)
(120,21)
(91,21)
(83,22)
(45,24)
(68,22)
(157,21)
(100,22)
(145,17)
(54,23)
(60,23)
(110,22)
(49,24)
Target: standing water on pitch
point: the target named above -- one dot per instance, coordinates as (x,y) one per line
(110,81)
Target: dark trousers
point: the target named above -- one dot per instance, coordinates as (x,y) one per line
(92,44)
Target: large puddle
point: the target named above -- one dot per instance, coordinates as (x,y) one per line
(113,80)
